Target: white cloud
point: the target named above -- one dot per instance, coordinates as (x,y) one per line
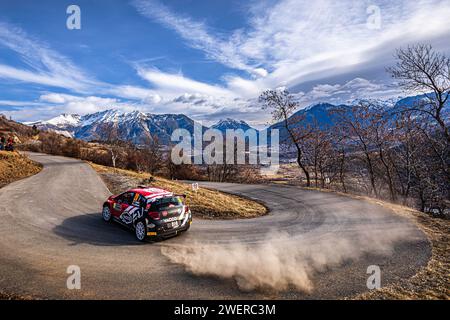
(300,41)
(136,93)
(47,66)
(50,68)
(17,103)
(177,83)
(84,105)
(222,48)
(261,72)
(348,92)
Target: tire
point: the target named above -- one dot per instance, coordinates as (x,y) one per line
(188,225)
(140,230)
(106,214)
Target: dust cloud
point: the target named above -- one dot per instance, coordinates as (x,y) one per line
(283,261)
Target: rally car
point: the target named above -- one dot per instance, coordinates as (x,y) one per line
(150,212)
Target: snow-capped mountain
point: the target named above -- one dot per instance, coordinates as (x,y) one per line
(62,120)
(64,124)
(136,126)
(65,120)
(388,103)
(133,126)
(322,113)
(229,123)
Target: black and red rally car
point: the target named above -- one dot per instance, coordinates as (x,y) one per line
(150,212)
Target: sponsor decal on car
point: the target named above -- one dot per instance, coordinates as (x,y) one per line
(131,214)
(171,219)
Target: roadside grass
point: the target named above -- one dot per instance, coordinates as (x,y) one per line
(15,166)
(433,280)
(204,203)
(7,296)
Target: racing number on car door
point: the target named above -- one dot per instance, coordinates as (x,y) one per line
(131,209)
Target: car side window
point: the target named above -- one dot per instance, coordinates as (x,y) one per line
(126,198)
(119,199)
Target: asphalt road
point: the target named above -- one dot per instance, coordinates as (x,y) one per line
(53,220)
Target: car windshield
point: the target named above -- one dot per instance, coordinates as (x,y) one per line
(166,202)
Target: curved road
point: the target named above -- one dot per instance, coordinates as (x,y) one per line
(52,220)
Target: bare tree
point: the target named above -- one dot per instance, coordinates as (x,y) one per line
(72,148)
(152,154)
(319,152)
(340,143)
(383,137)
(358,128)
(421,68)
(110,136)
(51,142)
(282,107)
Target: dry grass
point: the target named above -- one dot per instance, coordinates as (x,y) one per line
(7,296)
(204,203)
(15,166)
(433,281)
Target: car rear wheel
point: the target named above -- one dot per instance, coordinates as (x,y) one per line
(141,230)
(106,214)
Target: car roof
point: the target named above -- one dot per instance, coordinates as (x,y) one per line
(151,192)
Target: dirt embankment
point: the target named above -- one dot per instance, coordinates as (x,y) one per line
(15,166)
(204,203)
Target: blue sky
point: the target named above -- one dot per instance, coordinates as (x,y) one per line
(207,59)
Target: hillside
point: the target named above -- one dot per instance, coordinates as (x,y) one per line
(20,131)
(14,166)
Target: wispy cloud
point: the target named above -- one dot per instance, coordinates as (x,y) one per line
(220,47)
(46,66)
(87,104)
(292,42)
(178,83)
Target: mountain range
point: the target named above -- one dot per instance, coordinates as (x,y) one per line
(136,126)
(322,115)
(133,126)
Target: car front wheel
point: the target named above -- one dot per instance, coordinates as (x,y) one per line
(106,214)
(141,230)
